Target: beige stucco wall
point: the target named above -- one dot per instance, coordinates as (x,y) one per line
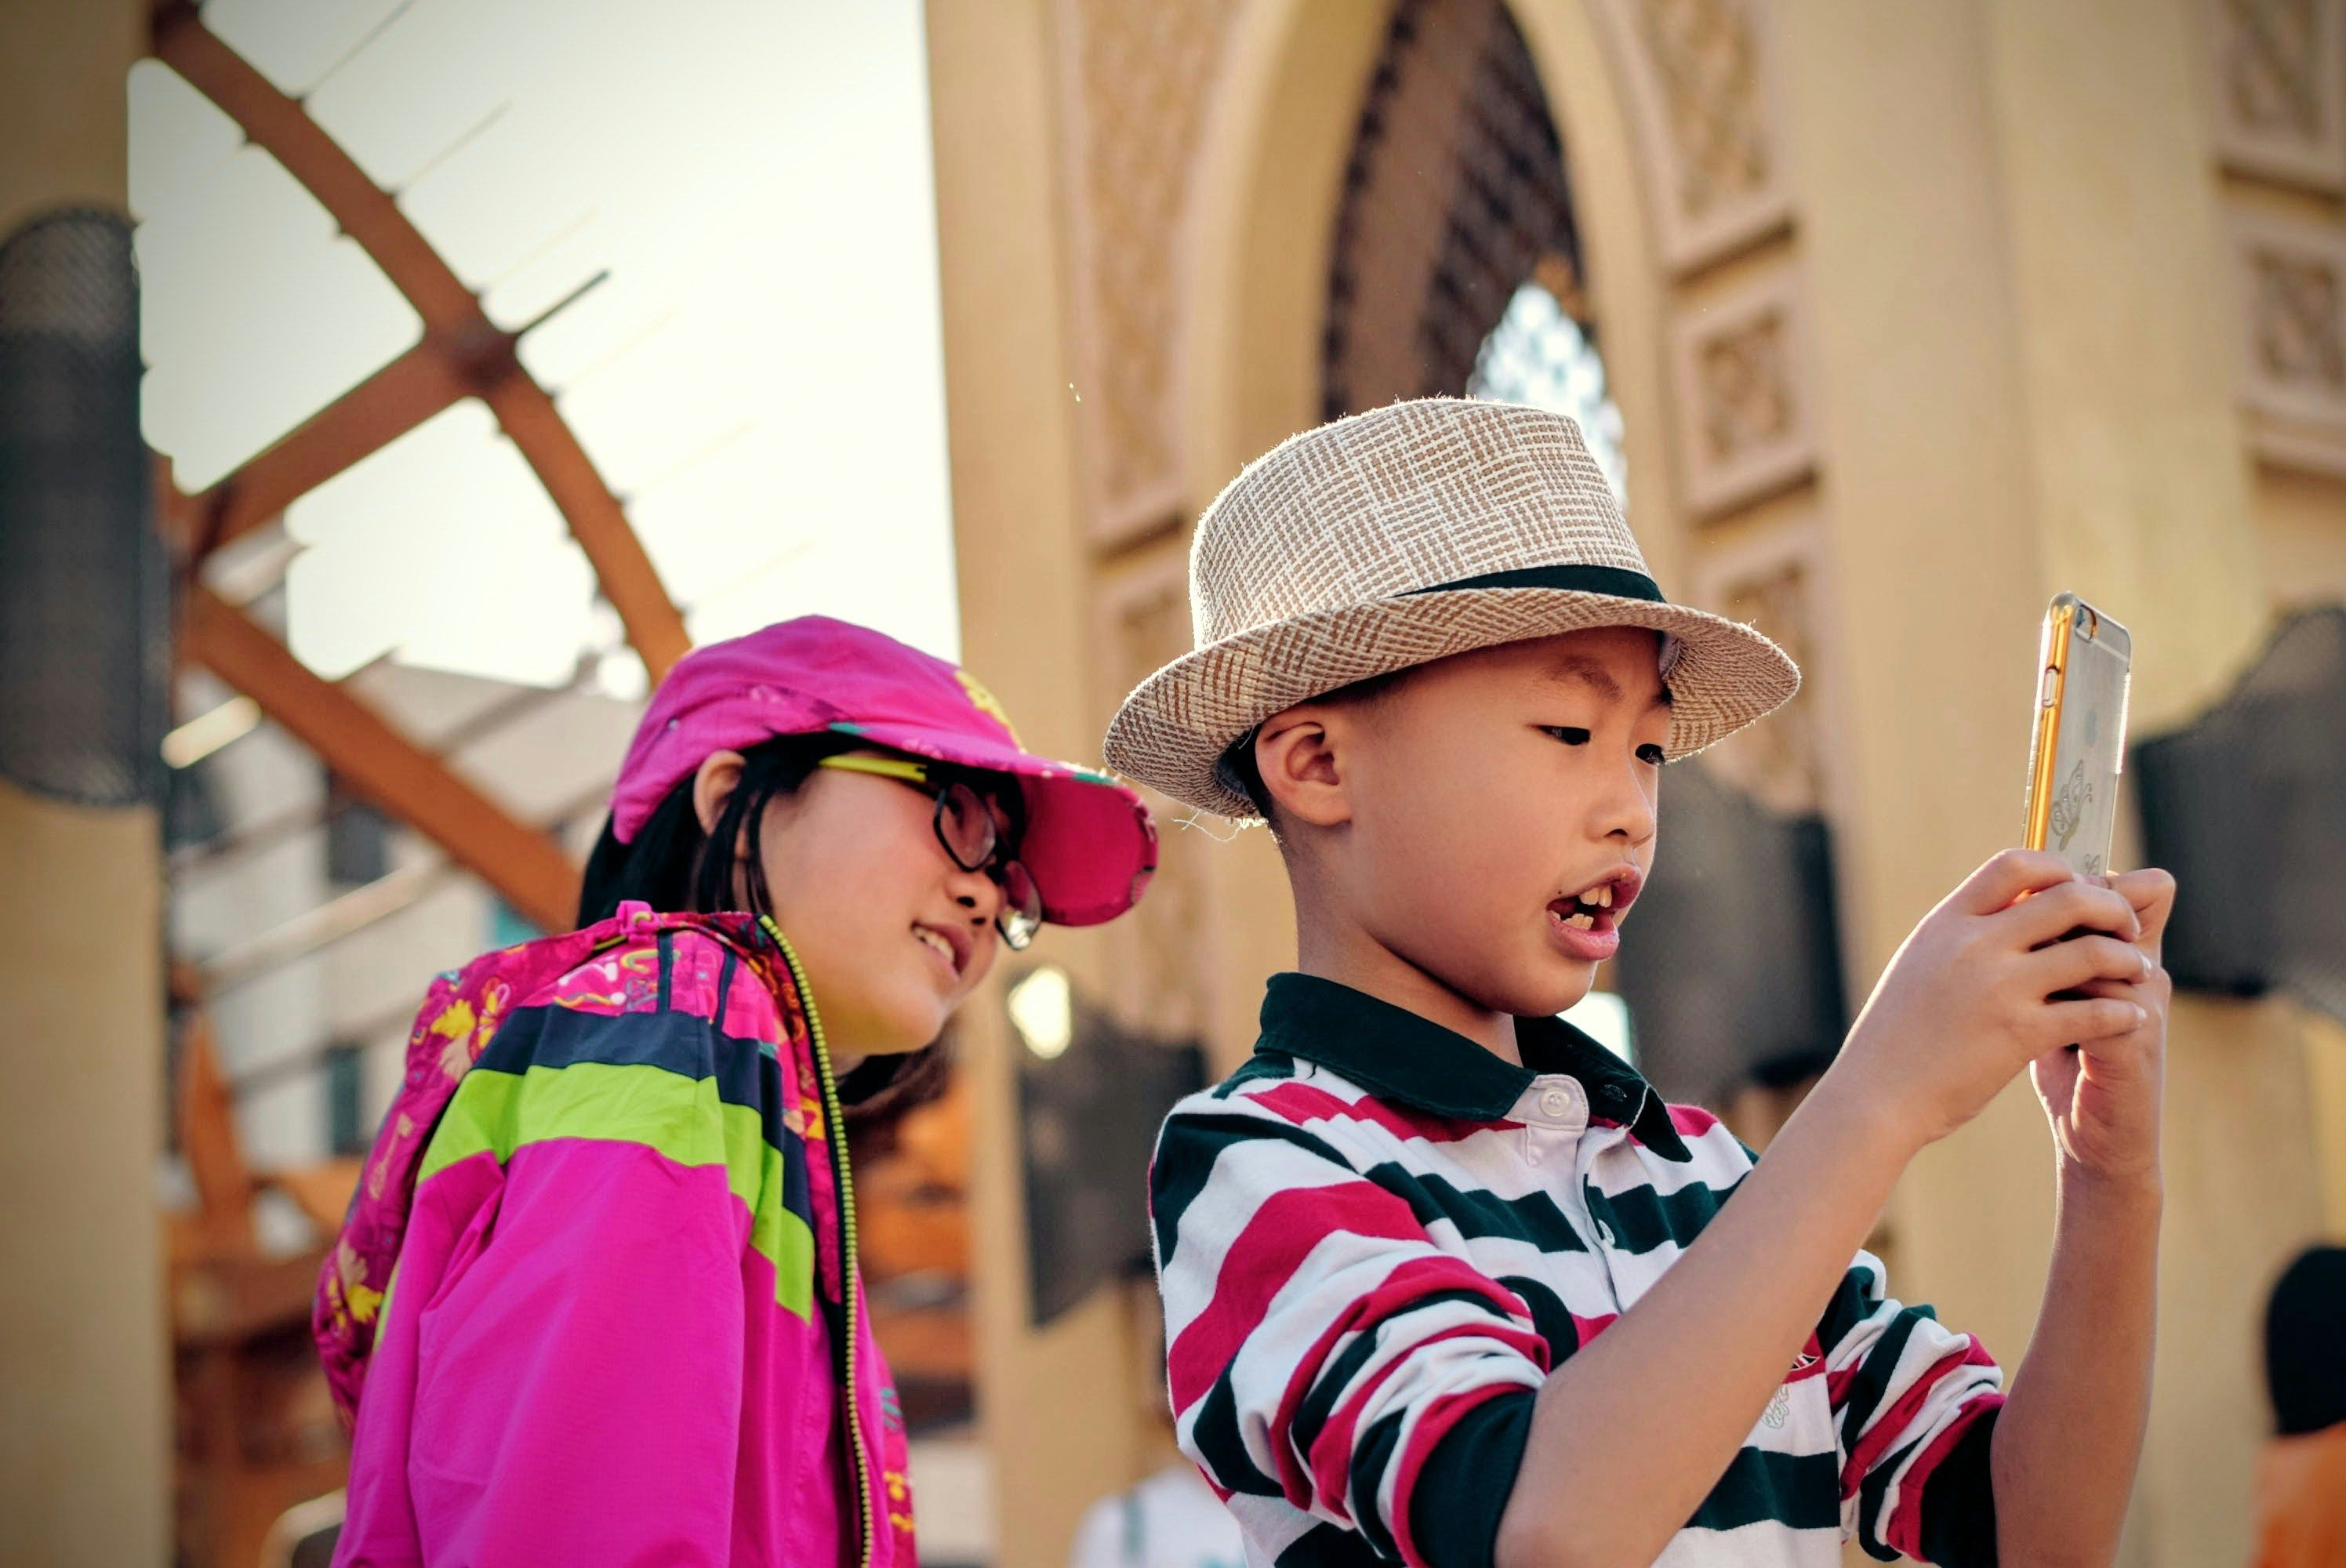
(84,1375)
(2024,329)
(1059,1407)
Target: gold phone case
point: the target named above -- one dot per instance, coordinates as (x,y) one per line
(2083,666)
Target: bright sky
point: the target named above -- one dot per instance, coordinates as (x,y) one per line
(760,377)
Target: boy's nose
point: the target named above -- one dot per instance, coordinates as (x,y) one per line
(1631,815)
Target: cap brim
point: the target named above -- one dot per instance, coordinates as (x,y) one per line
(1173,729)
(1090,844)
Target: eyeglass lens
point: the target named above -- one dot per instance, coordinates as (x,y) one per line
(966,826)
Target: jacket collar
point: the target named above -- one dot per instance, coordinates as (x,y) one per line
(1413,1061)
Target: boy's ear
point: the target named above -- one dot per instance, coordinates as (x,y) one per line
(713,784)
(1297,752)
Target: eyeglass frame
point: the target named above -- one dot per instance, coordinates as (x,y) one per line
(1016,923)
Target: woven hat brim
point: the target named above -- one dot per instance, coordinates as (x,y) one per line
(1172,731)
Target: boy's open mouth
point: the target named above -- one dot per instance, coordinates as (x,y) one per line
(1591,910)
(1600,905)
(1586,924)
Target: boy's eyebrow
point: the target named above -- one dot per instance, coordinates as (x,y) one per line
(1587,672)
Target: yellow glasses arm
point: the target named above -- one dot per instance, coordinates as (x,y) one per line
(901,768)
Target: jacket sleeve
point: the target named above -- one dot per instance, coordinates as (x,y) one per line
(1915,1407)
(577,1367)
(1322,1349)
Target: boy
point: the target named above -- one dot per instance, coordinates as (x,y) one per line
(1446,1284)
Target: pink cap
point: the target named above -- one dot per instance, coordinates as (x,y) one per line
(1090,843)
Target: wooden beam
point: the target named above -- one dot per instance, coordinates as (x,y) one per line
(545,439)
(281,127)
(205,1114)
(527,869)
(364,419)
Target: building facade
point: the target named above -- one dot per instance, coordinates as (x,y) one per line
(1911,317)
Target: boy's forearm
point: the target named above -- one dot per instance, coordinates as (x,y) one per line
(2071,1432)
(1632,1432)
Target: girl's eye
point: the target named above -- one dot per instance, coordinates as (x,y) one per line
(1650,755)
(1567,734)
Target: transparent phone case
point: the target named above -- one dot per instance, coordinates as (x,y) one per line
(2086,673)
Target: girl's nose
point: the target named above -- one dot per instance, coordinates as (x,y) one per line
(979,894)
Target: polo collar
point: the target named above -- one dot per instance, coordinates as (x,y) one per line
(1413,1061)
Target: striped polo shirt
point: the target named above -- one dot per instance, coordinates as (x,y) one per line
(1375,1240)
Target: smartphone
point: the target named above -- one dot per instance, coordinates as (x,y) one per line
(2084,663)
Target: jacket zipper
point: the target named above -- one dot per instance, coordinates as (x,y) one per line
(850,1277)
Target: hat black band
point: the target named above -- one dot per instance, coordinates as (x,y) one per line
(1615,582)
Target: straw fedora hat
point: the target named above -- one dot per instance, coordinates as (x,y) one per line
(1402,536)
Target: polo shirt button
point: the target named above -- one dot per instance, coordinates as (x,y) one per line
(1556,1101)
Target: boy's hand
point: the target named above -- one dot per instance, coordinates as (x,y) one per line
(2103,1098)
(1970,998)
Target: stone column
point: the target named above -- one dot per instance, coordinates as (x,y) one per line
(84,1473)
(1060,1407)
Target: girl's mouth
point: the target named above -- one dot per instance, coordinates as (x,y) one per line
(942,944)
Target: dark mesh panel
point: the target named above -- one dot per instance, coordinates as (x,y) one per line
(1731,962)
(2248,809)
(1088,1121)
(1454,197)
(84,632)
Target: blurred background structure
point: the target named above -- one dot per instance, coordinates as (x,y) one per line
(493,354)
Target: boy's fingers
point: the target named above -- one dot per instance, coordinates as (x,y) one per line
(2096,1018)
(2066,966)
(2151,892)
(2008,876)
(2056,913)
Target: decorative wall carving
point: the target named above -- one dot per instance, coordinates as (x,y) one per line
(2280,88)
(1744,423)
(2292,279)
(1697,76)
(1772,581)
(1135,79)
(1163,966)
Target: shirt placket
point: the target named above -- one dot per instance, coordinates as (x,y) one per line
(1554,1112)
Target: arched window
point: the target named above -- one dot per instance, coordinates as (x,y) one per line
(1539,354)
(1456,266)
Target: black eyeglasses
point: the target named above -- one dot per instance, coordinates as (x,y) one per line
(967,827)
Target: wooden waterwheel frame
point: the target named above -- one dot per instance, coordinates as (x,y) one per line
(914,1218)
(461,354)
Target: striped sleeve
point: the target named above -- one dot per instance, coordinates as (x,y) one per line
(1322,1349)
(1914,1406)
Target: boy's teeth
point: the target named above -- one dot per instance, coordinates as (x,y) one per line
(1601,895)
(934,940)
(1580,921)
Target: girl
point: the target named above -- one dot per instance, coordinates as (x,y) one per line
(625,1323)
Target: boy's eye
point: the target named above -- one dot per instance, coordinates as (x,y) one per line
(1651,755)
(1567,734)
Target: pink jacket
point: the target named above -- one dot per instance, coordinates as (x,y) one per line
(622,1309)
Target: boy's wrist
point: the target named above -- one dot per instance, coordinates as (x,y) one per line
(2135,1191)
(1851,1114)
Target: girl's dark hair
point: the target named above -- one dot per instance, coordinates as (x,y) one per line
(668,866)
